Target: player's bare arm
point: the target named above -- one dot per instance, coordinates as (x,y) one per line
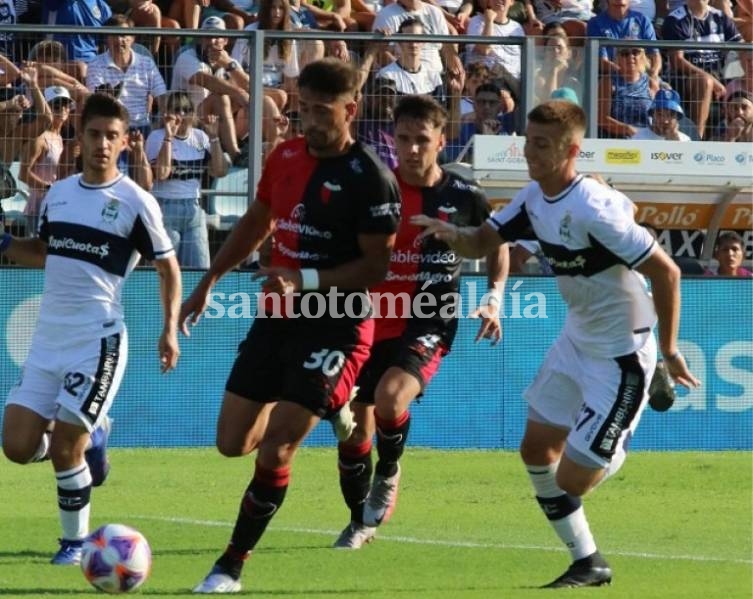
(248,235)
(665,288)
(170,294)
(470,242)
(497,269)
(366,271)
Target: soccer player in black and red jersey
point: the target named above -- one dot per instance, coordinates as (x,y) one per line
(333,208)
(409,346)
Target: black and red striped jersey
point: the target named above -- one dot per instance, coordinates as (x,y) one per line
(427,266)
(321,205)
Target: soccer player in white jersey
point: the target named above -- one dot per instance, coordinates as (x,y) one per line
(588,395)
(93,227)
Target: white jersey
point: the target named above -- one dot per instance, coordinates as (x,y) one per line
(424,81)
(190,158)
(592,242)
(506,56)
(389,18)
(94,235)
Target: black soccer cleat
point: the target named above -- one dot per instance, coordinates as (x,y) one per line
(591,571)
(661,391)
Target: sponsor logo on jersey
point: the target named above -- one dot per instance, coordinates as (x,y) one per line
(438,257)
(622,156)
(67,243)
(386,209)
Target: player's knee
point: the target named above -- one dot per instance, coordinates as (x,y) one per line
(533,452)
(230,448)
(20,453)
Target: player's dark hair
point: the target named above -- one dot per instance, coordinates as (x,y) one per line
(103,105)
(420,108)
(567,115)
(330,77)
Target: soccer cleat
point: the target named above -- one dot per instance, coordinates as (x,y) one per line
(342,421)
(69,554)
(355,536)
(591,571)
(661,391)
(218,581)
(96,455)
(381,500)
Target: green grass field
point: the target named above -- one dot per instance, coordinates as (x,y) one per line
(671,525)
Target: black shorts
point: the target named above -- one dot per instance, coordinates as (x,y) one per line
(417,352)
(314,364)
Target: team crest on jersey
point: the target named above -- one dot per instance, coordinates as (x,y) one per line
(327,189)
(110,211)
(355,166)
(565,223)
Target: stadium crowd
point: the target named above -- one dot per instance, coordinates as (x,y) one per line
(680,94)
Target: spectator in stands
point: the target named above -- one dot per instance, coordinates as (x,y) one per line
(503,60)
(92,14)
(493,115)
(281,56)
(571,14)
(664,117)
(433,54)
(16,128)
(744,83)
(8,19)
(179,154)
(626,96)
(375,126)
(697,74)
(738,118)
(216,83)
(729,254)
(476,74)
(409,73)
(339,49)
(619,22)
(230,12)
(53,68)
(743,15)
(645,7)
(274,127)
(133,76)
(336,15)
(558,68)
(145,13)
(457,13)
(40,157)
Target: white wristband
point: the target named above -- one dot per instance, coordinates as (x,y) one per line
(309,279)
(493,296)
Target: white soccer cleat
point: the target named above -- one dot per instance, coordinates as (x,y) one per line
(355,536)
(218,582)
(381,500)
(342,422)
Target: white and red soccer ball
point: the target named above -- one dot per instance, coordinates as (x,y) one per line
(116,559)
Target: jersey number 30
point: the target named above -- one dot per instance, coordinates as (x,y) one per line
(330,362)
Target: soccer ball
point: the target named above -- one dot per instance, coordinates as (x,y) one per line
(116,559)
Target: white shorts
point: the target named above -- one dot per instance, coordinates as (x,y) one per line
(81,377)
(599,400)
